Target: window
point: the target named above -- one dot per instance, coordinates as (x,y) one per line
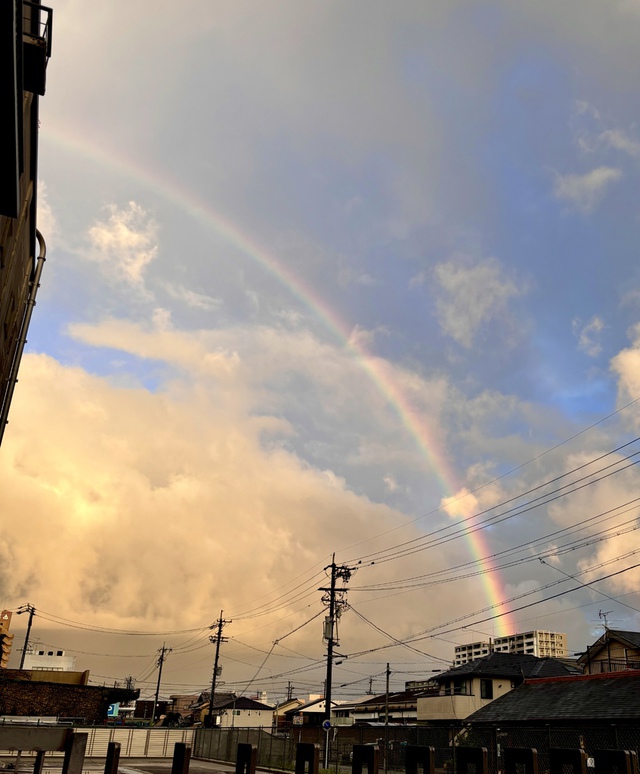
(486,689)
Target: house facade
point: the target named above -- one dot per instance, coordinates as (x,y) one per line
(242,712)
(468,688)
(616,650)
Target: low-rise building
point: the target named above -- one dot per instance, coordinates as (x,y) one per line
(49,660)
(243,712)
(465,689)
(614,651)
(27,694)
(571,701)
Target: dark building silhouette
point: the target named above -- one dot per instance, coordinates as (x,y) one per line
(25,47)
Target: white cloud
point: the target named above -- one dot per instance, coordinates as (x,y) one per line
(626,365)
(589,335)
(461,505)
(125,244)
(390,483)
(46,220)
(474,294)
(616,138)
(170,499)
(190,297)
(362,337)
(584,192)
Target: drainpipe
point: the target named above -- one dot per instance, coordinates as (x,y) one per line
(22,338)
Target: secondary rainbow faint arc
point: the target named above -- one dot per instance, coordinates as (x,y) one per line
(186,200)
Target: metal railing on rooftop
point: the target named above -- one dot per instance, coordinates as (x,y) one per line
(37,22)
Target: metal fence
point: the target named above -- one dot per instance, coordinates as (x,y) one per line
(134,742)
(277,751)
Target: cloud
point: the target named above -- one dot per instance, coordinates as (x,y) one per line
(164,501)
(472,295)
(626,366)
(584,192)
(125,244)
(461,505)
(589,335)
(390,483)
(616,138)
(46,220)
(191,298)
(150,490)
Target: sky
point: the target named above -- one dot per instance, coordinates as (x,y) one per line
(343,277)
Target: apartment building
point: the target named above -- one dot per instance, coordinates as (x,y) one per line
(542,644)
(25,47)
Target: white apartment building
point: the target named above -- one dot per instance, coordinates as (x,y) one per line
(54,660)
(538,643)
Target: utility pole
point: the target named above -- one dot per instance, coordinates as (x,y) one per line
(330,634)
(28,608)
(289,691)
(163,654)
(386,724)
(218,638)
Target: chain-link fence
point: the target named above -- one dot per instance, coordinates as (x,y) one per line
(278,750)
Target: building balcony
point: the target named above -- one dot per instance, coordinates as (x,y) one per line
(37,21)
(613,665)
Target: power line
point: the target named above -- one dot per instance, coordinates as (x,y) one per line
(440,508)
(460,529)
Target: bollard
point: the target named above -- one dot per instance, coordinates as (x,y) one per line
(471,757)
(247,759)
(181,759)
(615,761)
(365,755)
(307,758)
(560,758)
(113,758)
(420,756)
(74,754)
(527,757)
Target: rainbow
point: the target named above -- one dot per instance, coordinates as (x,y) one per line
(377,369)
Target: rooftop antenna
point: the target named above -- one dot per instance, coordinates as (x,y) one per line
(602,614)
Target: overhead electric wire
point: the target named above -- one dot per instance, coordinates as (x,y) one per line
(438,577)
(102,655)
(239,615)
(459,529)
(576,527)
(429,633)
(507,473)
(106,630)
(602,594)
(275,642)
(394,639)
